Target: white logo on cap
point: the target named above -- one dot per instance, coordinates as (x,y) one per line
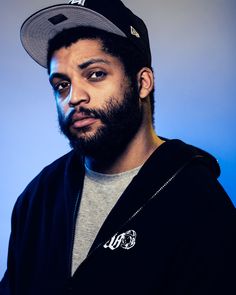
(134,32)
(79,2)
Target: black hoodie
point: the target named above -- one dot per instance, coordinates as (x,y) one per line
(171,232)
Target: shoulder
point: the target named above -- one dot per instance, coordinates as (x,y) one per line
(60,165)
(200,181)
(189,177)
(202,205)
(52,171)
(49,181)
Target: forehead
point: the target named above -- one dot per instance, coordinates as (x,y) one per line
(80,52)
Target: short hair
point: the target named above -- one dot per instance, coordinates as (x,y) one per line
(131,58)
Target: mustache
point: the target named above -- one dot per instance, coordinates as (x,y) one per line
(83,111)
(105,114)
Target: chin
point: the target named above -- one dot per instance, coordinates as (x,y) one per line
(78,133)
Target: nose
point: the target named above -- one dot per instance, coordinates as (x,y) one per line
(78,95)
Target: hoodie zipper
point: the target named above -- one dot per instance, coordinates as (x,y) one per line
(150,199)
(156,193)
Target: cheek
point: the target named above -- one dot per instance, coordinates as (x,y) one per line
(62,106)
(61,111)
(113,90)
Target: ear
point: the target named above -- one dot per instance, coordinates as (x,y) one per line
(145,82)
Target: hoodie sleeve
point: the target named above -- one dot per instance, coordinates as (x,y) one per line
(7,284)
(206,258)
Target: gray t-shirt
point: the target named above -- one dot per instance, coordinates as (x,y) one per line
(100,194)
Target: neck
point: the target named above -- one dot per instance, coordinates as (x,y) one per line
(135,154)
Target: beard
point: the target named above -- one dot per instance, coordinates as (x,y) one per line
(120,118)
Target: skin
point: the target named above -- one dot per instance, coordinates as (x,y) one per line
(83,75)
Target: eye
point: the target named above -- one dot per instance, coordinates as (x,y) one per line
(97,76)
(61,86)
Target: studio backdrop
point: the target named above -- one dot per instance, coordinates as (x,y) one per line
(193,47)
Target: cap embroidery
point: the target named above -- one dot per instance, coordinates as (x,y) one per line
(134,32)
(79,2)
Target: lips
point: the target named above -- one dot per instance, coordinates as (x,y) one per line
(80,120)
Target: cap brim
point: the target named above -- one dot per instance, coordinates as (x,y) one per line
(42,26)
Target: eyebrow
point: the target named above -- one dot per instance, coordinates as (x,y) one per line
(92,61)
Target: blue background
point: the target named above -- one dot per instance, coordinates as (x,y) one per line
(193,46)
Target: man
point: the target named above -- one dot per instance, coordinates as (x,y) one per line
(125,211)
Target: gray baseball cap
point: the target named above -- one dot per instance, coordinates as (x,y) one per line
(109,15)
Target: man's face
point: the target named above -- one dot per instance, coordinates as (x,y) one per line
(98,108)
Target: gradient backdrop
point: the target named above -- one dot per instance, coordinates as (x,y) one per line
(193,46)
